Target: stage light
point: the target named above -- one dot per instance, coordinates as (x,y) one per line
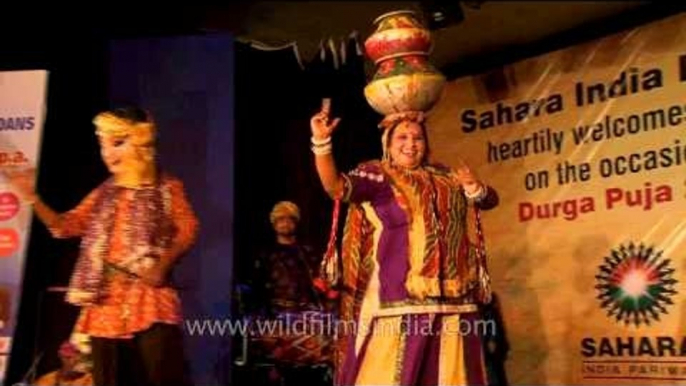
(441,13)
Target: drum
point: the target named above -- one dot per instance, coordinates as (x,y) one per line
(296,338)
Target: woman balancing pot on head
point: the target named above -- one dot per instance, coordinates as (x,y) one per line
(411,276)
(134,227)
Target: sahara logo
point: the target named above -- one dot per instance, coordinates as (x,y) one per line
(635,284)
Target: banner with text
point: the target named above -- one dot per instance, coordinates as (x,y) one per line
(22,113)
(587,149)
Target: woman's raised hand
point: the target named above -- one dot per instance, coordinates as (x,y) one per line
(321,124)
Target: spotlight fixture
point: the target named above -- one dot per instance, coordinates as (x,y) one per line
(441,13)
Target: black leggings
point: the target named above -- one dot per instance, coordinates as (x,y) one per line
(153,357)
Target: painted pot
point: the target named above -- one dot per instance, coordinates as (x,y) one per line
(398,33)
(404,79)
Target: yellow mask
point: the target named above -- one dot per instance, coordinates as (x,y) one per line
(128,149)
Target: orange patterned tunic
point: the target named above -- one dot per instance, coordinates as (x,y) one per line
(128,305)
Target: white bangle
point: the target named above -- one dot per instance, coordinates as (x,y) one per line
(478,195)
(322,149)
(320,142)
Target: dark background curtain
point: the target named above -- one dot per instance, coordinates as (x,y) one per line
(274,162)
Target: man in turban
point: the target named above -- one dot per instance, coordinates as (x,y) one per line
(285,270)
(283,286)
